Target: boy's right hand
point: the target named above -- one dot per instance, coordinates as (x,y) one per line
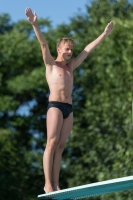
(32,18)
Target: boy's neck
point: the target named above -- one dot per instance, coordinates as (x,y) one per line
(60,60)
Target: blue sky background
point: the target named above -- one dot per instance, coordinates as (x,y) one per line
(58,11)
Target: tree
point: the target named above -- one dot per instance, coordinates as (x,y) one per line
(21,78)
(100,144)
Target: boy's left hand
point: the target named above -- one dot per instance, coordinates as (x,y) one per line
(109,28)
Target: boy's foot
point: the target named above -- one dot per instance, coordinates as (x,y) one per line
(58,188)
(48,189)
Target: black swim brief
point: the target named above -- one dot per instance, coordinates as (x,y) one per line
(65,108)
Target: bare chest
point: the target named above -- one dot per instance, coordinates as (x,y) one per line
(63,75)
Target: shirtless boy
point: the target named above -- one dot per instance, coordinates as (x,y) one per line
(59,76)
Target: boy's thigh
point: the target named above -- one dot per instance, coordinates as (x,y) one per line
(66,128)
(54,121)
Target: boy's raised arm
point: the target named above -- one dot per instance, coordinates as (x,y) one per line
(32,18)
(81,57)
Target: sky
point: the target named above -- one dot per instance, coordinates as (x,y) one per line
(58,11)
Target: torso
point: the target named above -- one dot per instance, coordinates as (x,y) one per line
(60,82)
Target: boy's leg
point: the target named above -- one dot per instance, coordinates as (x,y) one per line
(65,132)
(54,125)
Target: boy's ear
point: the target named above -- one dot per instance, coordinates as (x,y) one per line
(58,49)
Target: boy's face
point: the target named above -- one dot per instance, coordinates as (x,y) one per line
(65,50)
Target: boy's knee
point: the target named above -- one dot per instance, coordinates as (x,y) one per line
(51,144)
(61,147)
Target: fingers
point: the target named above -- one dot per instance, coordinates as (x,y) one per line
(110,25)
(35,13)
(109,28)
(28,12)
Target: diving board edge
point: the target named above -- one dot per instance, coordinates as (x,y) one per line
(90,190)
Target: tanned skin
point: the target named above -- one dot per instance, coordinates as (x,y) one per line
(59,76)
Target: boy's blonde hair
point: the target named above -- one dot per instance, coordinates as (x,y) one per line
(65,40)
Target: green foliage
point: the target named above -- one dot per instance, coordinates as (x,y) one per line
(21,137)
(5,23)
(100,145)
(100,142)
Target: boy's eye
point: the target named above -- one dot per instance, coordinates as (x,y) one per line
(69,49)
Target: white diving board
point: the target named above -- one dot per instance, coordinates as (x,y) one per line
(90,190)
